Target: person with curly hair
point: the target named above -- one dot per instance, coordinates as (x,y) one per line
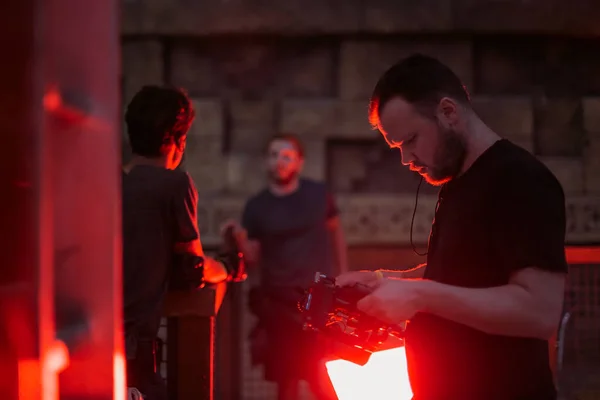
(161,241)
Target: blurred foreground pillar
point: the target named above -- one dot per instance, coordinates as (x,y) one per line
(60,296)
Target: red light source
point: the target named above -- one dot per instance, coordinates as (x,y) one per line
(384,377)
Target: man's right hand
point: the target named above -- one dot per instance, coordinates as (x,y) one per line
(368,278)
(249,247)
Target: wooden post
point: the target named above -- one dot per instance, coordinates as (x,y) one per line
(191,342)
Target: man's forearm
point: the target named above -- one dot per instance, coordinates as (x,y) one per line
(505,310)
(214,271)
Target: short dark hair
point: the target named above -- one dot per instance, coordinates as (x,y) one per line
(288,137)
(155,116)
(420,80)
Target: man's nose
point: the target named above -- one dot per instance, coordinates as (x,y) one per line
(280,164)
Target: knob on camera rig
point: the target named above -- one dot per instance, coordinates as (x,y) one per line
(331,310)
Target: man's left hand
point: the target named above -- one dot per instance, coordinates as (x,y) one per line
(394,301)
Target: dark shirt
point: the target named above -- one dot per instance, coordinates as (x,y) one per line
(292,231)
(159,210)
(506,213)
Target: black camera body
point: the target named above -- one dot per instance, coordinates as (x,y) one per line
(331,310)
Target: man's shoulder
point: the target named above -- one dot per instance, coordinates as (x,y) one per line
(520,170)
(144,171)
(313,186)
(257,199)
(159,179)
(179,181)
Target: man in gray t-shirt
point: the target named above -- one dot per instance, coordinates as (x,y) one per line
(291,230)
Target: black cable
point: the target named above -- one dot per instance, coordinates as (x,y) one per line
(413,221)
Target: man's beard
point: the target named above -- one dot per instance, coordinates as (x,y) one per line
(449,158)
(283,181)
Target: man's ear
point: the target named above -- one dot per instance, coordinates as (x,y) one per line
(448,111)
(180,143)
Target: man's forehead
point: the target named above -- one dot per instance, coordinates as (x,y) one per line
(281,145)
(396,121)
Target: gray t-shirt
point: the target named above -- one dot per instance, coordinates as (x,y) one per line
(292,232)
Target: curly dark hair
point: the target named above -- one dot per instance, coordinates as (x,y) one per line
(156,116)
(420,80)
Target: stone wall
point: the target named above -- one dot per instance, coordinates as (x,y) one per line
(544,95)
(320,17)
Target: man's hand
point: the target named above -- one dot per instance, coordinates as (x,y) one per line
(214,271)
(394,301)
(250,248)
(368,278)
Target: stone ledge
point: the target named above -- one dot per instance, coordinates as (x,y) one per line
(201,17)
(576,17)
(386,219)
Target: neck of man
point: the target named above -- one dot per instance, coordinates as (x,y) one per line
(141,160)
(283,189)
(478,138)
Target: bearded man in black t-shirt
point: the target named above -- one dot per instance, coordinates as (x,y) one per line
(491,293)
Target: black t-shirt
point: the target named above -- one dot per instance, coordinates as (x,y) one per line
(292,232)
(506,213)
(159,210)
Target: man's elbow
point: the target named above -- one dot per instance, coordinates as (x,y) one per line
(545,320)
(547,324)
(544,300)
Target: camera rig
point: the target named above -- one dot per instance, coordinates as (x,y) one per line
(331,310)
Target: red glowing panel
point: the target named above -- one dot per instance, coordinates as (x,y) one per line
(384,377)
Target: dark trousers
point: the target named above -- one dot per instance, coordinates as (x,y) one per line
(143,373)
(289,354)
(142,348)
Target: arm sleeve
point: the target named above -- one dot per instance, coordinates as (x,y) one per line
(532,221)
(185,211)
(332,208)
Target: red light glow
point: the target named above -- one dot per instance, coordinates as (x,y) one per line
(384,377)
